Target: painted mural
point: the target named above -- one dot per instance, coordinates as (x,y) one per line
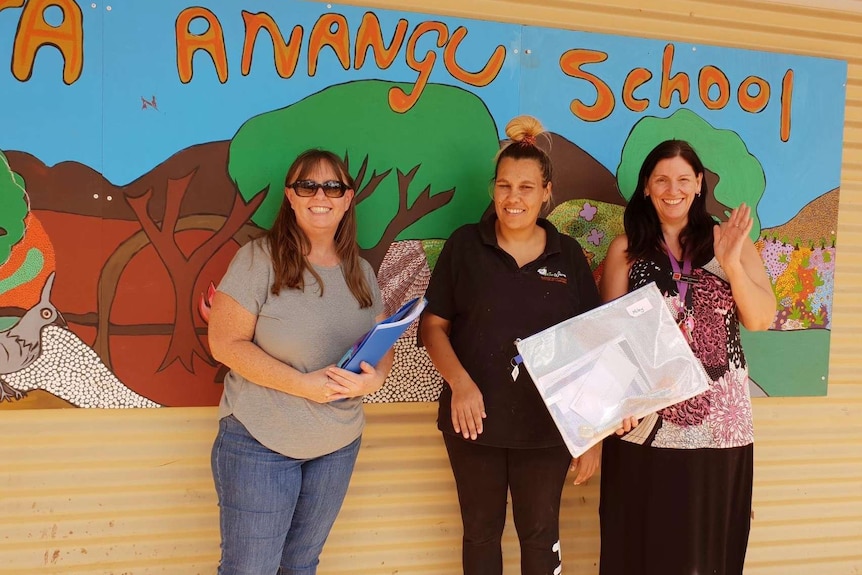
(142,143)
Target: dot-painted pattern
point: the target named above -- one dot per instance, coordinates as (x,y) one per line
(403,275)
(71,370)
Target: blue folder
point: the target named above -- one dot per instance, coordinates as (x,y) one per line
(372,346)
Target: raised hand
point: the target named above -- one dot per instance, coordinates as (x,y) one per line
(729,237)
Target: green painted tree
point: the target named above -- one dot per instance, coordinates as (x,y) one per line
(14,207)
(739,174)
(419,174)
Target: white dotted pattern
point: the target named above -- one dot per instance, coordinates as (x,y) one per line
(71,370)
(403,275)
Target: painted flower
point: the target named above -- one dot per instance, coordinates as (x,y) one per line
(821,301)
(588,212)
(595,236)
(775,256)
(206,302)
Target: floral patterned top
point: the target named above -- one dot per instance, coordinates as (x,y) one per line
(721,416)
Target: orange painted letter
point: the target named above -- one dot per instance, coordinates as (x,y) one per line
(34,32)
(286,54)
(757,102)
(211,42)
(323,35)
(370,35)
(11,4)
(636,78)
(570,64)
(786,104)
(679,83)
(399,100)
(481,78)
(711,76)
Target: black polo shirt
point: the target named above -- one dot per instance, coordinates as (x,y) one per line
(490,303)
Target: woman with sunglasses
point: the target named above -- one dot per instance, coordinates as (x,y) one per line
(289,306)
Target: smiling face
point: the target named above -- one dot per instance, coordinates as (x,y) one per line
(671,188)
(519,193)
(319,214)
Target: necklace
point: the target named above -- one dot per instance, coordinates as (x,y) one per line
(682,277)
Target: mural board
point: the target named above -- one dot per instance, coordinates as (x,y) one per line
(143,143)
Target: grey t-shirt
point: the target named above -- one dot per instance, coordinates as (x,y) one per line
(308,332)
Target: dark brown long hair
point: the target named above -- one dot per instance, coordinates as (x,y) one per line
(640,220)
(289,245)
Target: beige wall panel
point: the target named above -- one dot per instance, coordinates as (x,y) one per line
(130,492)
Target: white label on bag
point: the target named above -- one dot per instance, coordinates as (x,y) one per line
(639,307)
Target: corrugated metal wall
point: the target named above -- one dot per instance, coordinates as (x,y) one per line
(99,492)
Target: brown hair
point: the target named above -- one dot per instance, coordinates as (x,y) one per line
(289,246)
(522,145)
(641,221)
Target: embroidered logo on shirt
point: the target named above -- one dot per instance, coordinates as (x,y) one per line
(550,276)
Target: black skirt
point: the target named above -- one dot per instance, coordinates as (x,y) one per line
(674,511)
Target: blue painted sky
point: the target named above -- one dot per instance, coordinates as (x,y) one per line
(130,54)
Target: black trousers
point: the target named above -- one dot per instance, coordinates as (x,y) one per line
(535,478)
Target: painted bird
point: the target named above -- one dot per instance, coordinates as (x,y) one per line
(21,344)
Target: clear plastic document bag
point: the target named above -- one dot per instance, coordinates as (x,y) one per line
(625,358)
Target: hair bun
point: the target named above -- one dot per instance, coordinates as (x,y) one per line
(524,129)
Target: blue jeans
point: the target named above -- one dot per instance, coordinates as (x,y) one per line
(275,511)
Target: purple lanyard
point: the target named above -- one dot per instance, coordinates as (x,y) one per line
(681,286)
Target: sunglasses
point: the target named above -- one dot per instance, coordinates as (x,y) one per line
(308,188)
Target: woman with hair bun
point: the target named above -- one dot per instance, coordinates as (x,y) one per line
(507,277)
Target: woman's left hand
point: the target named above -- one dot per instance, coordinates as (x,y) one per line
(343,383)
(729,236)
(587,464)
(627,425)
